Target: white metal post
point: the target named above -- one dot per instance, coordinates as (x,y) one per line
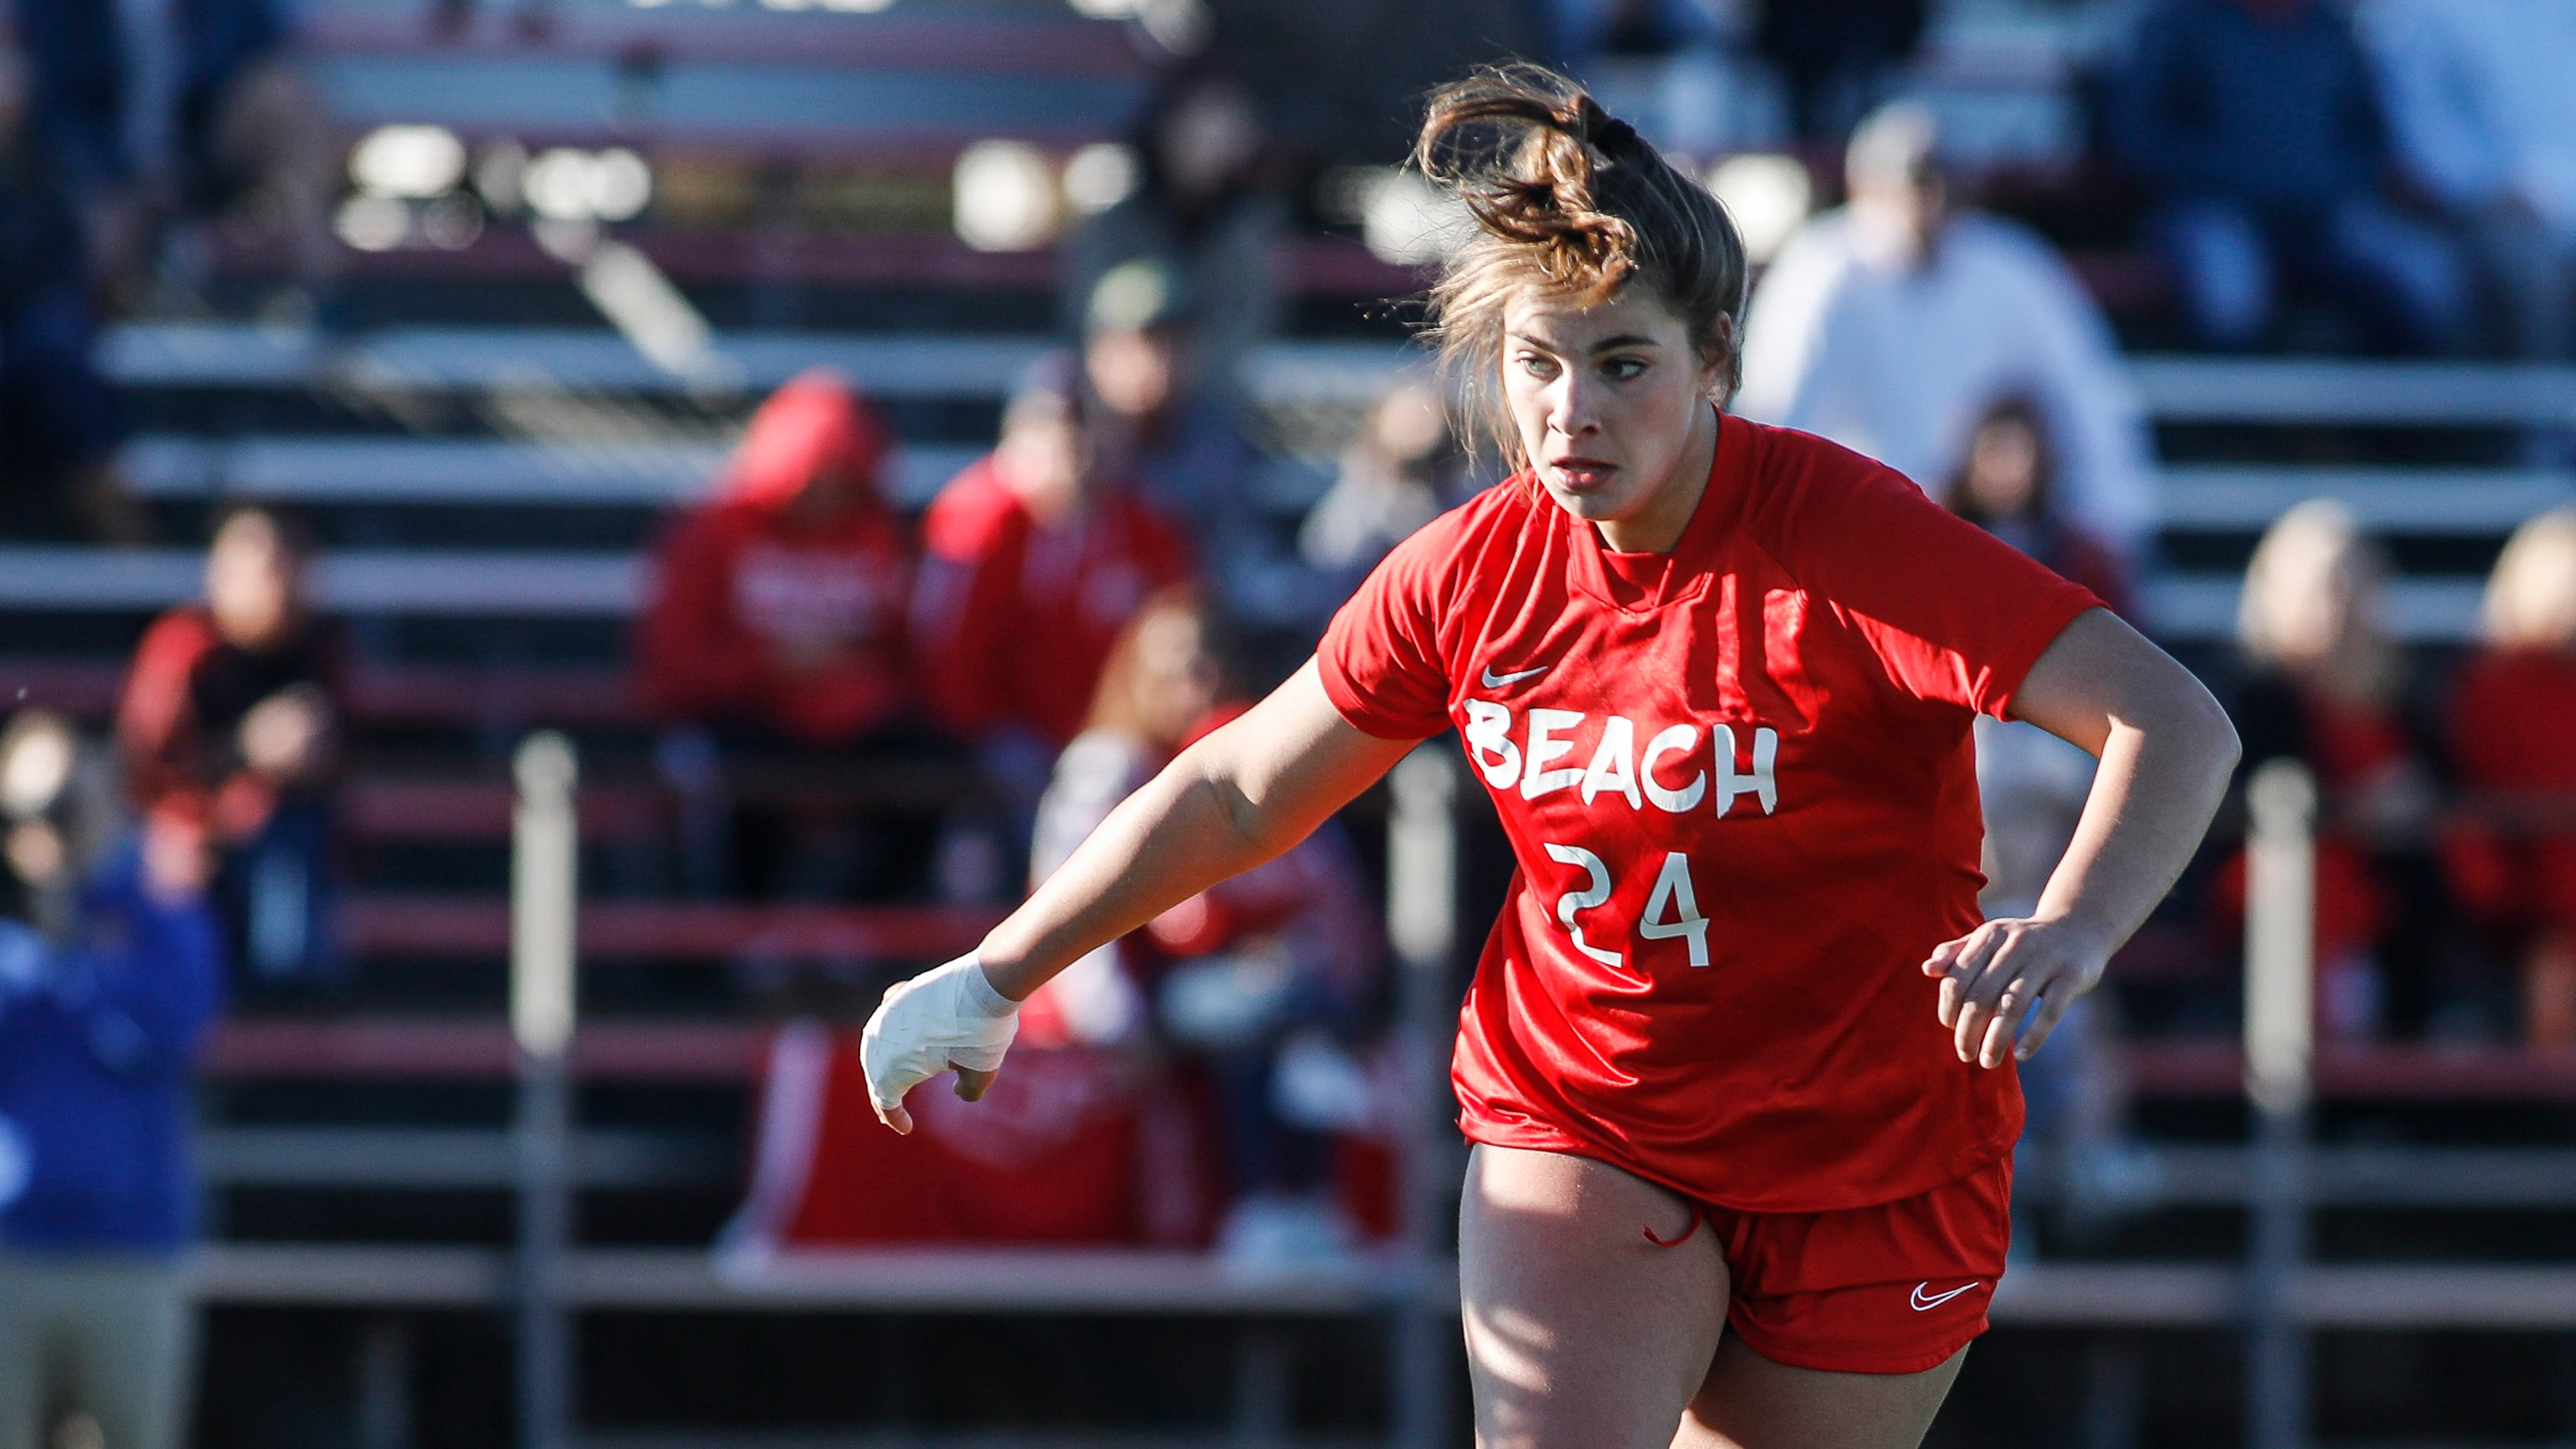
(2280,1029)
(544,899)
(1422,922)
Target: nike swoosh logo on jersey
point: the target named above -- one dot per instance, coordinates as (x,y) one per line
(1926,1302)
(1497,681)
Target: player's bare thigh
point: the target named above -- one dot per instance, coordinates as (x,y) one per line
(1750,1402)
(1580,1332)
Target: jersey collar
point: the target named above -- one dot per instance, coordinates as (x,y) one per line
(1692,562)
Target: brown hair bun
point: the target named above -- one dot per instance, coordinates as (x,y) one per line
(1569,198)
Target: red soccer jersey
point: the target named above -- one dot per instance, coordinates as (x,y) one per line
(1741,791)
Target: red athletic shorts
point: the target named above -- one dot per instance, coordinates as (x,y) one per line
(1891,1289)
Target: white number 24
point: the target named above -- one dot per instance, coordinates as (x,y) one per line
(1673,893)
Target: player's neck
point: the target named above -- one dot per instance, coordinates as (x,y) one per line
(1658,526)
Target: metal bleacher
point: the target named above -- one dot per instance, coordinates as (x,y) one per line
(477,573)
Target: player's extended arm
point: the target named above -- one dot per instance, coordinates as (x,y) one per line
(1235,799)
(2167,751)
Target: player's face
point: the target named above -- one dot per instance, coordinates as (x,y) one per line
(1608,400)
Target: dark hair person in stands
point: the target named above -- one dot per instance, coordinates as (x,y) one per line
(775,632)
(110,973)
(2007,485)
(231,718)
(1739,868)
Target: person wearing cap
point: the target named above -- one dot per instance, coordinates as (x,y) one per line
(1184,447)
(1892,324)
(1032,561)
(775,625)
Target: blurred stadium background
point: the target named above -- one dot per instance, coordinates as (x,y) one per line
(479,296)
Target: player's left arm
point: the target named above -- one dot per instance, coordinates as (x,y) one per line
(2166,751)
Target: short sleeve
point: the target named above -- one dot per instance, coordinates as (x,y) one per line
(1380,658)
(1953,614)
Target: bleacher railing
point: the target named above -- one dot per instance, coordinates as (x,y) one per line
(2280,1007)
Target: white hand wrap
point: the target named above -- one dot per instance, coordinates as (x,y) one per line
(948,1017)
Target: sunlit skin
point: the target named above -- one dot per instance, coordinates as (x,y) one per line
(1614,409)
(1043,457)
(254,584)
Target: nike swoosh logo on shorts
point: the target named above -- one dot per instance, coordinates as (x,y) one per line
(1497,681)
(1926,1302)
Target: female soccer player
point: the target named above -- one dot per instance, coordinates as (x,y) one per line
(1718,679)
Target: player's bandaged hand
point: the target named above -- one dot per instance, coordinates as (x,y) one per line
(950,1017)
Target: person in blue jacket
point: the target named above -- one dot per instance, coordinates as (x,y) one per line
(101,1020)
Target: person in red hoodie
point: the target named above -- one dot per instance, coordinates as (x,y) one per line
(1031,565)
(778,603)
(775,628)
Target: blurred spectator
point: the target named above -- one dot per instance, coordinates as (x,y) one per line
(58,422)
(1203,208)
(254,148)
(778,603)
(2512,718)
(1839,57)
(2256,125)
(101,1018)
(2479,99)
(230,720)
(1404,469)
(775,630)
(2328,687)
(2007,485)
(1032,560)
(1887,325)
(1185,448)
(1264,978)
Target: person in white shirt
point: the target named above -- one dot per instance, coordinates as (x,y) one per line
(2481,97)
(1891,324)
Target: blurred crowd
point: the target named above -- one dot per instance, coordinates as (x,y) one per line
(2397,176)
